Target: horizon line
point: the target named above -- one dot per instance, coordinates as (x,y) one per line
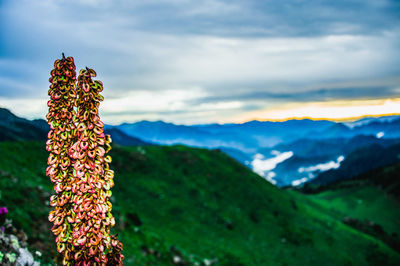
(343,119)
(338,120)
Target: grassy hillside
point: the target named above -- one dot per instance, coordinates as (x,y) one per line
(368,202)
(196,205)
(364,203)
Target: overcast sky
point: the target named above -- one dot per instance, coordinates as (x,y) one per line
(203,61)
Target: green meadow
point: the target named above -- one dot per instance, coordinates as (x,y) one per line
(176,205)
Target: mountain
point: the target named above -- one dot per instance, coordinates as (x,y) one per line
(359,162)
(121,138)
(289,172)
(334,131)
(238,155)
(13,127)
(385,128)
(247,137)
(190,205)
(311,157)
(386,179)
(269,133)
(16,128)
(331,147)
(315,146)
(167,133)
(368,120)
(254,135)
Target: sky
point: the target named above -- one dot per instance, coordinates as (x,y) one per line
(191,62)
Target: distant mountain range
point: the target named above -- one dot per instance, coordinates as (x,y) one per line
(120,138)
(13,128)
(287,153)
(247,137)
(313,157)
(251,136)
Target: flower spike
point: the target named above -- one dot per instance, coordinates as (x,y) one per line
(78,165)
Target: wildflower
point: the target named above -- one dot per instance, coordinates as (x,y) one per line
(79,169)
(3,210)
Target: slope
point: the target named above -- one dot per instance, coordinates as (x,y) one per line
(193,204)
(369,202)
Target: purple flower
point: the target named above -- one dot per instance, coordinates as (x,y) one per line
(3,210)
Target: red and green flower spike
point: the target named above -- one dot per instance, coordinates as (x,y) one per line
(92,240)
(60,138)
(79,169)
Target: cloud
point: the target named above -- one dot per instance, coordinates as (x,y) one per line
(231,17)
(322,94)
(262,166)
(168,103)
(340,110)
(26,107)
(380,134)
(311,171)
(322,167)
(299,181)
(270,177)
(228,56)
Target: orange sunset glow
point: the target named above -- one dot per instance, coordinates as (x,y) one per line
(344,110)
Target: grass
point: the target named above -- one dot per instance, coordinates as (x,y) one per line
(202,205)
(363,203)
